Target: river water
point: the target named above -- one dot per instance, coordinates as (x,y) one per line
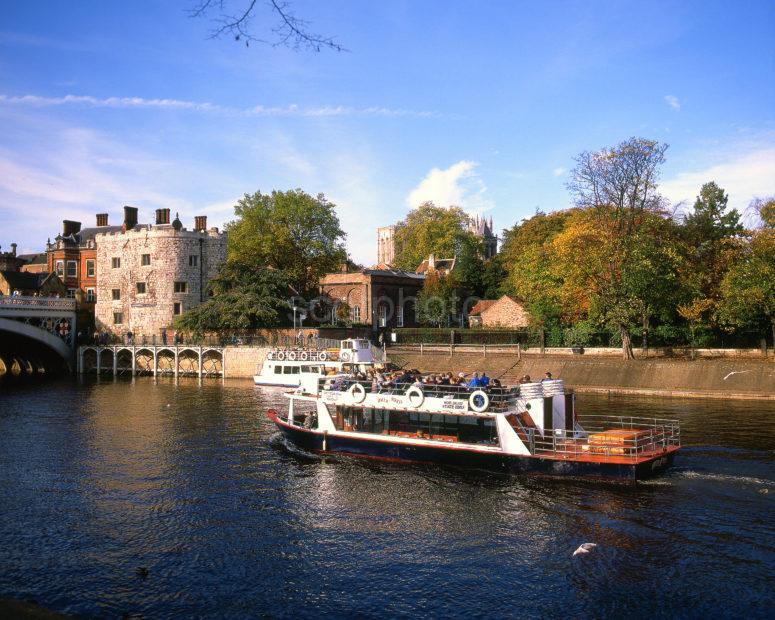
(159,500)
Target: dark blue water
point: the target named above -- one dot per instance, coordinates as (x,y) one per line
(192,483)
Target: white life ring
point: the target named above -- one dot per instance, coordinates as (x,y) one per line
(323,356)
(479,401)
(281,355)
(270,355)
(357,392)
(292,356)
(345,356)
(303,356)
(415,396)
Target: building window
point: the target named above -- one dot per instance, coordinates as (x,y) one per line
(400,317)
(70,294)
(90,296)
(382,315)
(118,318)
(89,268)
(181,287)
(72,269)
(145,259)
(141,288)
(115,262)
(356,314)
(116,292)
(193,260)
(60,268)
(177,308)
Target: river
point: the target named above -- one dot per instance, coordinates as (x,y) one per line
(153,499)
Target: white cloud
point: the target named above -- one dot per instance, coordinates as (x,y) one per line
(673,102)
(199,106)
(457,185)
(558,172)
(744,176)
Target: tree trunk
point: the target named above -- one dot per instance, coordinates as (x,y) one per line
(645,332)
(626,342)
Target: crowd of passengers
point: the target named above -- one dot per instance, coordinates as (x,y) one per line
(404,379)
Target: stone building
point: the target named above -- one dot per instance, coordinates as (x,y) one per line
(504,312)
(386,245)
(34,263)
(149,274)
(483,229)
(379,298)
(39,284)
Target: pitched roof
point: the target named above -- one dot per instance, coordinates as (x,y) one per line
(481,306)
(21,279)
(442,264)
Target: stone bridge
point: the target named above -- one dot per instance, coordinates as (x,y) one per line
(49,321)
(151,360)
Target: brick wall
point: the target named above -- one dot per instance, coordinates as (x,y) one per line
(505,312)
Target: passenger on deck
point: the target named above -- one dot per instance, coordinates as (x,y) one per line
(525,379)
(495,383)
(547,376)
(475,381)
(484,380)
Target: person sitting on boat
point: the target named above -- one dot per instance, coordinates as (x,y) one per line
(484,380)
(495,383)
(475,382)
(525,379)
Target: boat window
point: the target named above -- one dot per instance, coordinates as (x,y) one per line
(278,370)
(291,370)
(347,344)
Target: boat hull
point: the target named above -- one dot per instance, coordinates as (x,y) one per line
(314,441)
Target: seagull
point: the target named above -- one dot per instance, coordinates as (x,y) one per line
(735,372)
(584,548)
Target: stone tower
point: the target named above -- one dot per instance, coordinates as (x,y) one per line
(482,228)
(386,245)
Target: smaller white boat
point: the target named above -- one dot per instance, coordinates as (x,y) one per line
(286,367)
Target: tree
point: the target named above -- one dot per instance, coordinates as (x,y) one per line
(287,30)
(291,231)
(618,186)
(243,296)
(748,288)
(437,301)
(429,229)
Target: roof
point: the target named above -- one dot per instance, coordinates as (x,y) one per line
(442,264)
(33,259)
(87,234)
(481,306)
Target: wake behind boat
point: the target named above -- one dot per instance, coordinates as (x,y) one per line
(530,428)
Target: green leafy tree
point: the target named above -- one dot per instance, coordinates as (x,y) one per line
(429,229)
(291,231)
(618,188)
(437,301)
(242,297)
(748,288)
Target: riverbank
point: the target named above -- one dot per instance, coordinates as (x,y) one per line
(732,378)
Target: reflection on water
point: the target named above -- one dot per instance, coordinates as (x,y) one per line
(192,482)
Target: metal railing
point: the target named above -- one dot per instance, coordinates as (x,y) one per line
(27,301)
(607,438)
(501,398)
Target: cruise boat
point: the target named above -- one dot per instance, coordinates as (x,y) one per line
(287,367)
(530,428)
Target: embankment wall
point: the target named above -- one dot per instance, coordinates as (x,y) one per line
(243,361)
(714,378)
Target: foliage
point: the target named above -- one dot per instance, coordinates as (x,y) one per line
(291,231)
(437,301)
(429,229)
(243,296)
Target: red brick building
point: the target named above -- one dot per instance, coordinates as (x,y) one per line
(504,312)
(380,297)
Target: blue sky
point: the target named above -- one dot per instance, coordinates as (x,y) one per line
(478,104)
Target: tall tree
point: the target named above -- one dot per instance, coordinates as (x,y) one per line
(748,287)
(292,231)
(437,302)
(242,296)
(618,186)
(429,229)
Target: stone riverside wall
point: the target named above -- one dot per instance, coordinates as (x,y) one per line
(243,361)
(714,378)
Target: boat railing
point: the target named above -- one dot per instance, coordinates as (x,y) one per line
(500,398)
(608,438)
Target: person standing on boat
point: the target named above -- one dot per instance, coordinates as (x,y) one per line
(547,376)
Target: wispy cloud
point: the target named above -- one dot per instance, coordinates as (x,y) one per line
(559,171)
(744,175)
(673,102)
(458,185)
(205,106)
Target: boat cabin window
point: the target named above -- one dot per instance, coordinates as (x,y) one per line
(312,369)
(291,370)
(278,370)
(347,344)
(450,428)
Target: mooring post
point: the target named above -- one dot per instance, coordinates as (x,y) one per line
(134,361)
(115,362)
(200,361)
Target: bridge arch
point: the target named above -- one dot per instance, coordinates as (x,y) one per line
(55,343)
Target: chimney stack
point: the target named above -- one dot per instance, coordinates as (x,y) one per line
(162,216)
(130,217)
(13,249)
(200,223)
(70,228)
(431,262)
(102,219)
